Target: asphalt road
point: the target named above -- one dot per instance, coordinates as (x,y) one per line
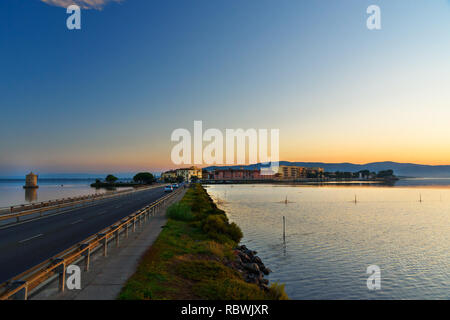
(26,245)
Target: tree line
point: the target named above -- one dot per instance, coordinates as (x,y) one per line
(141,178)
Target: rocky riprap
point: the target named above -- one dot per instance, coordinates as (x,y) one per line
(251,267)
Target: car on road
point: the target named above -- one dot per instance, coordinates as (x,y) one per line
(175,185)
(168,189)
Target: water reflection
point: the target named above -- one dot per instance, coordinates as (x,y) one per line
(12,192)
(332,238)
(31,195)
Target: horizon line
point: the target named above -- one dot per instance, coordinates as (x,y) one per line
(6,176)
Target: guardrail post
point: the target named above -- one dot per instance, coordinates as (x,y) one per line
(116,234)
(86,255)
(139,220)
(61,270)
(104,242)
(134,224)
(125,222)
(22,294)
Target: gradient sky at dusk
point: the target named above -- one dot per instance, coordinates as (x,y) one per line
(107,97)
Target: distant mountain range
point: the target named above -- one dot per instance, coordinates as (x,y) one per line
(400,169)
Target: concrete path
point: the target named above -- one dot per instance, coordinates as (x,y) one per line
(108,275)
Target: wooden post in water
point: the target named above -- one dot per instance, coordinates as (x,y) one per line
(284,229)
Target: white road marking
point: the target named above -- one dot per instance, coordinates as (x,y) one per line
(75,222)
(36,236)
(70,209)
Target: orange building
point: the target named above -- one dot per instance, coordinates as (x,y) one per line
(239,174)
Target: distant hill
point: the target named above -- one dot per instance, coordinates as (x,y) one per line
(400,169)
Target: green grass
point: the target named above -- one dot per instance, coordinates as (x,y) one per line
(189,258)
(180,211)
(198,270)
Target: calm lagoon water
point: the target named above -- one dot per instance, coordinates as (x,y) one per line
(12,192)
(331,240)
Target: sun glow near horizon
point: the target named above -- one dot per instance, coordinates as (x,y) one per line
(336,91)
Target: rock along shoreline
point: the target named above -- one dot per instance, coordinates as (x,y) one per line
(251,267)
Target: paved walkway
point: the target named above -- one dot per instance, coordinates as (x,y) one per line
(108,275)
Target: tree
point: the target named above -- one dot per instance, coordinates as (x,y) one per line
(385,173)
(194,179)
(144,177)
(348,175)
(180,179)
(111,179)
(312,175)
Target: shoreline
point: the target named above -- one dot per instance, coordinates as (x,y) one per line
(305,182)
(197,256)
(251,266)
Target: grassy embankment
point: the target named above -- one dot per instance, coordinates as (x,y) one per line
(193,257)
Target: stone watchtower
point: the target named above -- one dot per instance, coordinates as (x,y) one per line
(31,181)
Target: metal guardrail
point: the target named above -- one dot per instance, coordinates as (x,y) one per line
(63,203)
(22,285)
(29,206)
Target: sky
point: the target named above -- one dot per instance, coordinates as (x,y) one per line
(106,98)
